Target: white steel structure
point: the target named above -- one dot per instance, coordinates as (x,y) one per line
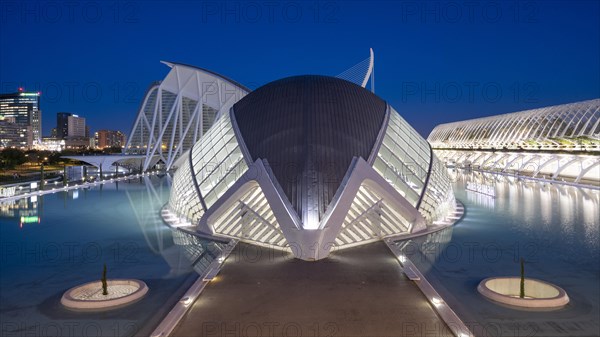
(556,141)
(362,72)
(574,126)
(177,111)
(310,164)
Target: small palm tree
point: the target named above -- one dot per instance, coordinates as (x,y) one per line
(522,293)
(104,283)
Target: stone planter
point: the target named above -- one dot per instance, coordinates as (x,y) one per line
(538,294)
(89,296)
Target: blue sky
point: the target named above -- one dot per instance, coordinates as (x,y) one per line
(435,61)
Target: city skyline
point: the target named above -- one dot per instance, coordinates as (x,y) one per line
(451,61)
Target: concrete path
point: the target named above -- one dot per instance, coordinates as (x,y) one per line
(355,292)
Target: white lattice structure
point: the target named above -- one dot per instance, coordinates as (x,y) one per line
(558,141)
(177,111)
(574,126)
(171,119)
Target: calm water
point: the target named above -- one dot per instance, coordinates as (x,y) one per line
(62,240)
(554,228)
(56,242)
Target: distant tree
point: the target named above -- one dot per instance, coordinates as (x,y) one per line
(9,158)
(54,158)
(113,149)
(33,157)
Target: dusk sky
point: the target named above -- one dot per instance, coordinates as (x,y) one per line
(435,62)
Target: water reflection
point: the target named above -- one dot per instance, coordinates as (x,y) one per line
(538,205)
(182,250)
(555,228)
(26,210)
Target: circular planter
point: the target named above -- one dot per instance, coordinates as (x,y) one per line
(89,296)
(538,294)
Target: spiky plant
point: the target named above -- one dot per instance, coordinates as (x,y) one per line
(522,293)
(104,283)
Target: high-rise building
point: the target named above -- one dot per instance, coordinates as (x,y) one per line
(109,138)
(62,124)
(22,109)
(73,130)
(75,126)
(13,135)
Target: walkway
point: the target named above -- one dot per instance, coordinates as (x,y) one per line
(358,291)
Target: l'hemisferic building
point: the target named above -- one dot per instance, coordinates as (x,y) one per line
(309,164)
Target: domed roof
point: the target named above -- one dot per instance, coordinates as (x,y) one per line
(309,128)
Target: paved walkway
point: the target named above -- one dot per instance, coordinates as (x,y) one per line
(355,292)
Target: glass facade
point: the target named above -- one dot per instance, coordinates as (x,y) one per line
(217,163)
(403,158)
(217,160)
(438,200)
(184,199)
(404,161)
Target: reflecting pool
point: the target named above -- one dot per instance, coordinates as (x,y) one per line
(554,228)
(49,244)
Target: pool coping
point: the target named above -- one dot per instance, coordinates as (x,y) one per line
(454,323)
(73,187)
(455,217)
(180,309)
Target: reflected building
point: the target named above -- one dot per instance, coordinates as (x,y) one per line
(25,210)
(182,251)
(538,204)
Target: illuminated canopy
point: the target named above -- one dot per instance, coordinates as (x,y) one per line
(560,141)
(567,126)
